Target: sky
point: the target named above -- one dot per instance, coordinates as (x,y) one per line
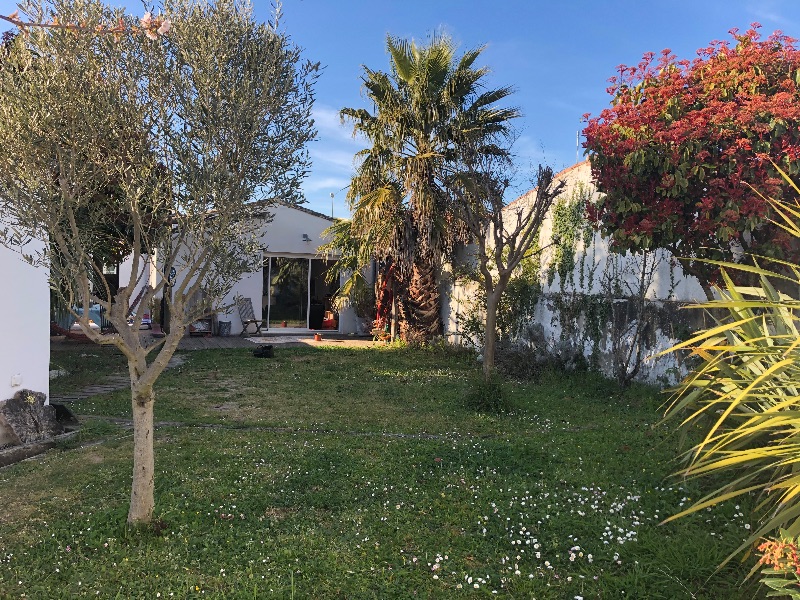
(557,55)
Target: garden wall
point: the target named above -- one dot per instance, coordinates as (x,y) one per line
(620,337)
(585,305)
(614,336)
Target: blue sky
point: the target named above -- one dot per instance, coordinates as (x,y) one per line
(557,55)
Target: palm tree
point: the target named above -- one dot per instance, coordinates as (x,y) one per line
(424,109)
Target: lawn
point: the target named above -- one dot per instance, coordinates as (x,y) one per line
(85,363)
(345,473)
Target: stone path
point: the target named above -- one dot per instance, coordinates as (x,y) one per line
(214,342)
(108,384)
(128,424)
(305,339)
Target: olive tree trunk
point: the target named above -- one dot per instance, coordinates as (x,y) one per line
(490,332)
(143,486)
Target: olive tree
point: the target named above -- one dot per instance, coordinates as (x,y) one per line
(155,137)
(503,234)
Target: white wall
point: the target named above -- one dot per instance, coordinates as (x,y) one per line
(457,301)
(669,283)
(25,343)
(685,288)
(282,236)
(249,286)
(147,274)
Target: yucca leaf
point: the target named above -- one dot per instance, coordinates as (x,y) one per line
(749,386)
(705,335)
(787,179)
(749,269)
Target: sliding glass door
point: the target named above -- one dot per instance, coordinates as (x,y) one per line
(296,294)
(288,297)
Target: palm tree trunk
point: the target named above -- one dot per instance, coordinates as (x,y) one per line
(394,324)
(424,303)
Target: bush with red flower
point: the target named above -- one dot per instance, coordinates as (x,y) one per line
(781,570)
(683,142)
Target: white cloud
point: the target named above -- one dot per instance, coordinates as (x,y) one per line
(329,126)
(770,13)
(325,184)
(332,155)
(530,152)
(335,148)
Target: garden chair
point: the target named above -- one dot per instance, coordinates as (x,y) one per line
(246,313)
(380,332)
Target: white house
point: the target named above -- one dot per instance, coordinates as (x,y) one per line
(25,349)
(289,290)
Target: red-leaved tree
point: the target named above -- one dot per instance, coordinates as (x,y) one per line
(683,142)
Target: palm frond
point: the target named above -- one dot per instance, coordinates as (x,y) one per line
(403,59)
(491,97)
(469,58)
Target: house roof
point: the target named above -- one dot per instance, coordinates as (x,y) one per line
(302,208)
(266,204)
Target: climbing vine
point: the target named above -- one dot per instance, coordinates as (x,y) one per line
(570,227)
(601,304)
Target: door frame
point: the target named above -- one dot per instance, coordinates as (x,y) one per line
(267,258)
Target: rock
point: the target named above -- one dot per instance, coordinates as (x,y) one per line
(56,373)
(26,419)
(264,351)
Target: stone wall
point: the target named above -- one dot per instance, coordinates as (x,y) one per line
(27,418)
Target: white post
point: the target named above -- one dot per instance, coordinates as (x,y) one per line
(269,287)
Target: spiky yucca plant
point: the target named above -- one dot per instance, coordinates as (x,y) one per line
(745,395)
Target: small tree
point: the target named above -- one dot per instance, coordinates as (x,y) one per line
(683,142)
(503,235)
(188,118)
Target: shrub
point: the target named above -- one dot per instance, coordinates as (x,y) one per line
(781,566)
(487,396)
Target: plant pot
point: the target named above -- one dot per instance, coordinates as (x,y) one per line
(317,337)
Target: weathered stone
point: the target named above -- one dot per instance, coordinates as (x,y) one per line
(14,454)
(27,419)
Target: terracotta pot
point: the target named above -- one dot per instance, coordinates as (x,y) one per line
(283,324)
(317,337)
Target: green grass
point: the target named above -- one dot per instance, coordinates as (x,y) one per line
(84,364)
(334,473)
